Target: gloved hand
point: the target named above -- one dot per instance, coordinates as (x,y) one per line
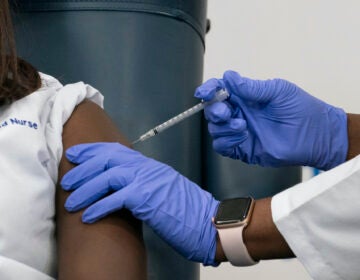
(274,123)
(111,177)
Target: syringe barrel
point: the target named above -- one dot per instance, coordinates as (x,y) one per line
(220,95)
(178,118)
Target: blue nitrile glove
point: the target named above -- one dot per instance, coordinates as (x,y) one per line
(274,123)
(111,177)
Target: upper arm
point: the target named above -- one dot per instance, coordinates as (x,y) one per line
(111,248)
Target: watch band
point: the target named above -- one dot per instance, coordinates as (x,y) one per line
(233,246)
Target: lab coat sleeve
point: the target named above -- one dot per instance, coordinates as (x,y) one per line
(320,220)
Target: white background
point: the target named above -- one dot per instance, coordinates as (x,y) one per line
(313,43)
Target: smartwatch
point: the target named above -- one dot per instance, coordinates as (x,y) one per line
(231,218)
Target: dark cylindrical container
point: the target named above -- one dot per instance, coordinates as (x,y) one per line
(146,57)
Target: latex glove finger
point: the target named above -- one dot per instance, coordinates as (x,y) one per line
(249,89)
(104,207)
(217,112)
(225,145)
(83,152)
(112,180)
(208,89)
(232,128)
(84,172)
(94,159)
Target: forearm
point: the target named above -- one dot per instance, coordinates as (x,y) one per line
(353,135)
(261,236)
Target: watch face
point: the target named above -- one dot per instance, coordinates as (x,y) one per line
(233,211)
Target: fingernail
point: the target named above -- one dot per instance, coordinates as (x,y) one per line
(87,217)
(71,153)
(65,185)
(69,205)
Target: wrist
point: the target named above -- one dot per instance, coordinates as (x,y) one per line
(220,255)
(353,128)
(262,238)
(232,217)
(334,135)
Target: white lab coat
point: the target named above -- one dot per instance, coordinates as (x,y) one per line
(31,149)
(320,220)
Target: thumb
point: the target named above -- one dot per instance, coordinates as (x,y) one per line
(261,91)
(82,152)
(208,89)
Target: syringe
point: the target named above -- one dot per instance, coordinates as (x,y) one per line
(221,95)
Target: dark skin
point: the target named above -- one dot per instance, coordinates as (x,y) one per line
(354,135)
(113,247)
(261,237)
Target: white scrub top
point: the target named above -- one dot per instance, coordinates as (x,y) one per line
(31,149)
(320,220)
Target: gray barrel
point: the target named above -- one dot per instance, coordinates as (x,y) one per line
(146,57)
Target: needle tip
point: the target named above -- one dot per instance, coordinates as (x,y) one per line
(136,141)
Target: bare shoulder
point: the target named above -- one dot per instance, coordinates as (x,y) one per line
(90,123)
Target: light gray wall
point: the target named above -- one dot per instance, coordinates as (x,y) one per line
(313,43)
